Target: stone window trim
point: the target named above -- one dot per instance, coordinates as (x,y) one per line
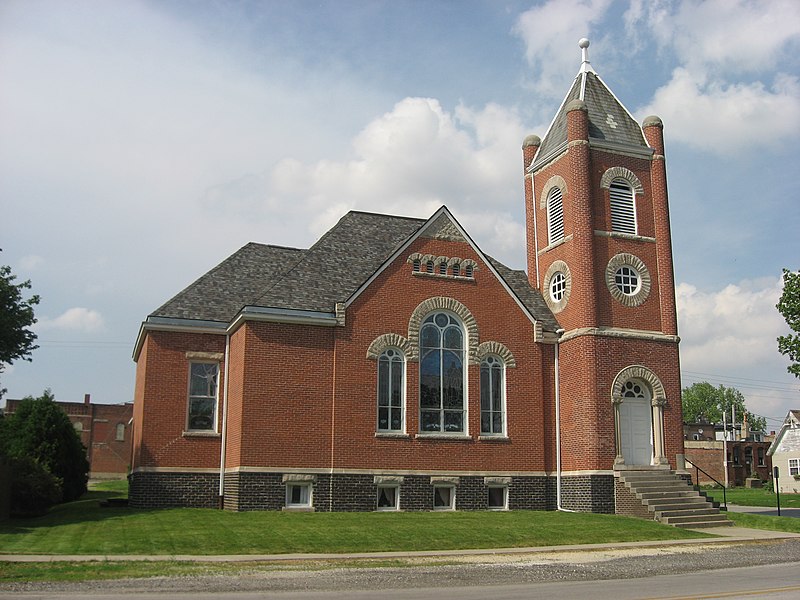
(454,267)
(496,481)
(298,478)
(558,266)
(444,480)
(554,181)
(498,349)
(388,480)
(388,340)
(621,173)
(621,260)
(205,356)
(441,303)
(658,400)
(200,434)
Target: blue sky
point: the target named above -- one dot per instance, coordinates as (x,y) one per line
(143,142)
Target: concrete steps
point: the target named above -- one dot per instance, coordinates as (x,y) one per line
(673,500)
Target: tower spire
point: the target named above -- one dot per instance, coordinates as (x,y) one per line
(586,66)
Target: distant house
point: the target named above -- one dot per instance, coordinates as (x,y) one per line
(747,453)
(785,453)
(105,431)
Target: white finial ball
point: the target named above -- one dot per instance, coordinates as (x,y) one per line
(583,43)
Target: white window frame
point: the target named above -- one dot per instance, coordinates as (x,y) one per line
(487,359)
(447,486)
(403,362)
(504,489)
(120,433)
(622,207)
(396,506)
(214,398)
(794,470)
(555,216)
(464,356)
(309,500)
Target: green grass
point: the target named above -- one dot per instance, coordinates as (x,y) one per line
(789,524)
(119,487)
(754,497)
(84,527)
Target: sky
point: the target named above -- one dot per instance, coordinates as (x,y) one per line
(143,142)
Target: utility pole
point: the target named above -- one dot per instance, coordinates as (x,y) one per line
(725,446)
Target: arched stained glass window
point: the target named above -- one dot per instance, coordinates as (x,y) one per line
(441,396)
(391,368)
(492,396)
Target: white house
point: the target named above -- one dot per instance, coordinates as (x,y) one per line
(785,453)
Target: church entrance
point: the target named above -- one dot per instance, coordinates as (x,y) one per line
(635,424)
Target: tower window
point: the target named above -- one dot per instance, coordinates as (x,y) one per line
(468,271)
(456,270)
(558,286)
(555,216)
(416,265)
(442,268)
(627,280)
(623,207)
(429,267)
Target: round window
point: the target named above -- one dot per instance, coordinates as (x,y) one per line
(558,286)
(627,280)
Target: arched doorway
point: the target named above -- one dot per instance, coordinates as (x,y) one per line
(639,398)
(635,418)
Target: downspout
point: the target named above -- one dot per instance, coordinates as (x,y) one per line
(535,233)
(559,333)
(224,423)
(333,426)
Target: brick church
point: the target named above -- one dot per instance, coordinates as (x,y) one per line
(394,365)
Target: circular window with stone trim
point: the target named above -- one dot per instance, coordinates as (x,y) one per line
(557,285)
(628,279)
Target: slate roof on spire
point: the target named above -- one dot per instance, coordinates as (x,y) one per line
(609,121)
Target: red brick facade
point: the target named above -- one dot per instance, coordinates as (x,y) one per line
(299,405)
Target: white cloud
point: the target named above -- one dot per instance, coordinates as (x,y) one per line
(727,118)
(731,332)
(730,91)
(408,161)
(80,319)
(30,262)
(551,33)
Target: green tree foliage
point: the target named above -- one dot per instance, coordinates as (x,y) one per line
(40,429)
(702,402)
(16,317)
(33,488)
(789,307)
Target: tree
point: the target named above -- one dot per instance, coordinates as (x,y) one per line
(16,316)
(789,307)
(41,430)
(702,402)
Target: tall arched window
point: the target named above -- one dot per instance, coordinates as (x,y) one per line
(623,207)
(391,383)
(441,366)
(555,216)
(492,396)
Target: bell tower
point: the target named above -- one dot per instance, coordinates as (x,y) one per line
(600,252)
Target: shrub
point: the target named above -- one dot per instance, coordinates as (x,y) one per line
(33,488)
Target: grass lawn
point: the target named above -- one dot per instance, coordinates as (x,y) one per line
(84,527)
(754,496)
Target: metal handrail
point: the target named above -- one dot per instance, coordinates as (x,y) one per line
(697,471)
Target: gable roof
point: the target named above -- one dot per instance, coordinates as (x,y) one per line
(335,269)
(610,123)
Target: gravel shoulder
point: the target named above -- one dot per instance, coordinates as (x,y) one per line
(431,572)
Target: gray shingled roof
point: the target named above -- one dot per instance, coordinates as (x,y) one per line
(316,279)
(609,120)
(531,298)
